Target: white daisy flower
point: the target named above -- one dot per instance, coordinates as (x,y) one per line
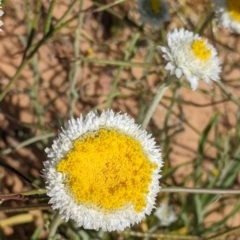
(191,55)
(166,215)
(154,12)
(102,171)
(228,14)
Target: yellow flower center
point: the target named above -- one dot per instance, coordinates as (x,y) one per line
(155,5)
(108,170)
(234,9)
(200,49)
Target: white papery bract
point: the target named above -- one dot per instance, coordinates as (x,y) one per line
(153,12)
(191,55)
(228,14)
(84,131)
(165,214)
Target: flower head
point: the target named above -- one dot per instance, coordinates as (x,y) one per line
(228,14)
(166,215)
(191,55)
(102,171)
(154,12)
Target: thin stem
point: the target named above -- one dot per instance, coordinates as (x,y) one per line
(37,14)
(159,235)
(39,191)
(205,24)
(32,194)
(25,208)
(69,10)
(158,96)
(24,63)
(14,78)
(49,17)
(225,234)
(200,190)
(229,166)
(12,169)
(228,93)
(29,16)
(127,55)
(17,197)
(106,6)
(54,226)
(73,94)
(26,143)
(34,25)
(117,63)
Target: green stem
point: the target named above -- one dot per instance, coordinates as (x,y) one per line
(127,56)
(158,96)
(25,208)
(24,63)
(229,166)
(228,93)
(29,16)
(54,226)
(74,73)
(225,234)
(200,190)
(117,63)
(26,143)
(14,78)
(159,235)
(37,14)
(106,6)
(205,24)
(69,10)
(49,17)
(39,191)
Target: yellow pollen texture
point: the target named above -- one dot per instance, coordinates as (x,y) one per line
(155,5)
(233,7)
(200,49)
(108,170)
